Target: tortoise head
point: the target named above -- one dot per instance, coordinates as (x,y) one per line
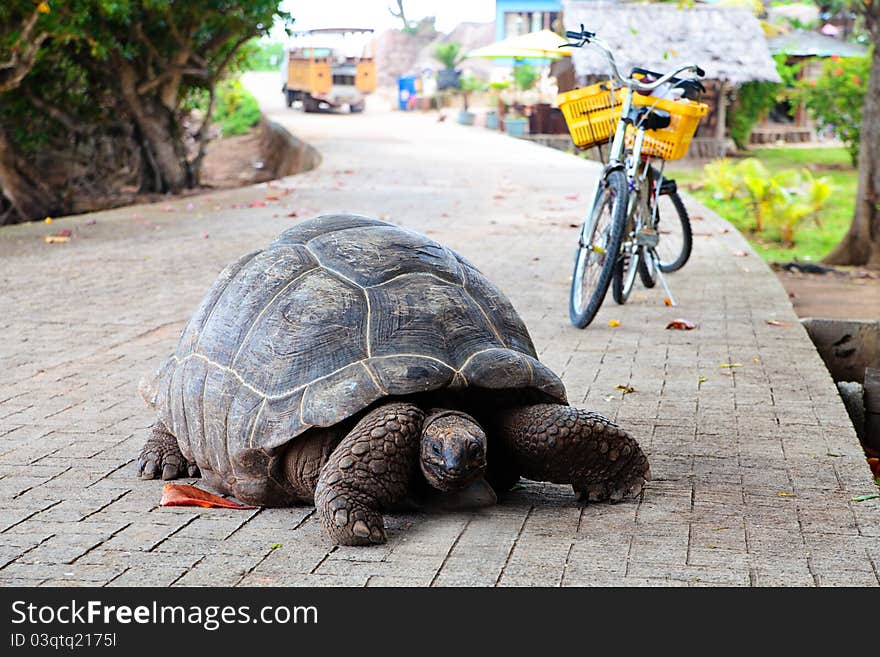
(453,450)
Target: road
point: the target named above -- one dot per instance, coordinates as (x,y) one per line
(754,459)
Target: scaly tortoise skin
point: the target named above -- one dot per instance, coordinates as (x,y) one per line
(352,362)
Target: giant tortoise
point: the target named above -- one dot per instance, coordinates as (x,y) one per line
(352,361)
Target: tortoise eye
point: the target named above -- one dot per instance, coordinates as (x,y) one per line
(476,449)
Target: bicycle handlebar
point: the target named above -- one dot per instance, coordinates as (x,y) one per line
(584,37)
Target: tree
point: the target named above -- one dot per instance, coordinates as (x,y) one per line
(861,244)
(449,54)
(97,82)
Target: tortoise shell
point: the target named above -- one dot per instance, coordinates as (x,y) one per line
(337,313)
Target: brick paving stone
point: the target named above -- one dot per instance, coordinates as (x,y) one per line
(754,467)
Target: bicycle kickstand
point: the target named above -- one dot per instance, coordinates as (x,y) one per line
(666,287)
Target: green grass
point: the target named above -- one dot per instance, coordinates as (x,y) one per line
(812,242)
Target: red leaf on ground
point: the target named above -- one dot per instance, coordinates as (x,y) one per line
(186,495)
(681,325)
(272,197)
(257,204)
(776,322)
(667,301)
(292,214)
(64,233)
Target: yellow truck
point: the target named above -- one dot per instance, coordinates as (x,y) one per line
(329,68)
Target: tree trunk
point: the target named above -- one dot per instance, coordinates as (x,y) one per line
(161,137)
(30,198)
(861,245)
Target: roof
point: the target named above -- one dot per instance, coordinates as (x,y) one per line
(725,41)
(812,44)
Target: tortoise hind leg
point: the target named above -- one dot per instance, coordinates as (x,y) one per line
(566,445)
(161,457)
(372,467)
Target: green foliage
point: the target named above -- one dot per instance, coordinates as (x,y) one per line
(525,76)
(80,77)
(237,110)
(835,99)
(753,101)
(813,240)
(449,54)
(263,55)
(721,179)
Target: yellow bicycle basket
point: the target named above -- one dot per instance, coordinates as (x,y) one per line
(592,113)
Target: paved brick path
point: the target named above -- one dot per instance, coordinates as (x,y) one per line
(754,466)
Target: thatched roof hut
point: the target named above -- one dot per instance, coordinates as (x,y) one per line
(727,42)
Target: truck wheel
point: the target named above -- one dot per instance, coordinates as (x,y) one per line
(309,104)
(356,107)
(290,98)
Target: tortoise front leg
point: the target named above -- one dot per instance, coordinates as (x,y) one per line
(371,468)
(566,445)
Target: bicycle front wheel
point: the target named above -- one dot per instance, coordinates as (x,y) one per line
(598,249)
(676,237)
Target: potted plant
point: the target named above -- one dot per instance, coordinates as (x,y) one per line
(524,77)
(450,56)
(492,116)
(468,85)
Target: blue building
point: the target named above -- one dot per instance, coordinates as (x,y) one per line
(515,17)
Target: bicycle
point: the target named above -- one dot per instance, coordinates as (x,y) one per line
(621,235)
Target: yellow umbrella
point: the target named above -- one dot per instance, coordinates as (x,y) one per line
(536,45)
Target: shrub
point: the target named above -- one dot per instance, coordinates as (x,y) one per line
(781,202)
(237,110)
(836,96)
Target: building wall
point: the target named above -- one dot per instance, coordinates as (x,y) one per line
(503,7)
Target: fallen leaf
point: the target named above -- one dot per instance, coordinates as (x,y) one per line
(205,236)
(48,220)
(63,233)
(702,234)
(292,214)
(863,498)
(186,495)
(697,218)
(257,204)
(702,379)
(272,197)
(625,389)
(741,254)
(668,301)
(776,322)
(756,359)
(728,366)
(56,239)
(681,325)
(613,323)
(785,495)
(275,546)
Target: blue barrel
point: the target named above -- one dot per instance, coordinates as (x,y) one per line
(406,89)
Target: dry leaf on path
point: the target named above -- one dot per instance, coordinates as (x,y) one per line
(776,322)
(613,323)
(681,325)
(186,495)
(625,389)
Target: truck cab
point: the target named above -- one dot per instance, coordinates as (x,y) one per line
(329,68)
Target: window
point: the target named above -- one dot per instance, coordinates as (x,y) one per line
(344,80)
(523,22)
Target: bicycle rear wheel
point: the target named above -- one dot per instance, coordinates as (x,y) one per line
(598,249)
(676,237)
